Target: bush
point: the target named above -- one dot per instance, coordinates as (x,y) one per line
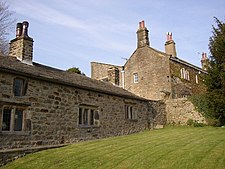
(197,124)
(194,123)
(190,122)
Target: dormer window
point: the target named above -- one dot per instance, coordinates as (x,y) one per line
(135,76)
(19,87)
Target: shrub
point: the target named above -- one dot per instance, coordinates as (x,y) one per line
(190,122)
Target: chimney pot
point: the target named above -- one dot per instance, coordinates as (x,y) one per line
(169,36)
(204,56)
(19,28)
(142,24)
(204,61)
(25,28)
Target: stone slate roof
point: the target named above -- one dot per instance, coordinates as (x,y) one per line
(187,64)
(38,71)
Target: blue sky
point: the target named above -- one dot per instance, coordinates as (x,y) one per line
(71,33)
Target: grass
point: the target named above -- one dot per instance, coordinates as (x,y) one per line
(170,148)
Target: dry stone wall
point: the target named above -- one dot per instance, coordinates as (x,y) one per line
(180,110)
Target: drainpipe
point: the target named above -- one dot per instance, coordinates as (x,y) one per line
(123,78)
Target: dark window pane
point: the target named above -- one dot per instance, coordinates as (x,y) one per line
(92,118)
(6,119)
(127,112)
(18,87)
(131,113)
(80,115)
(18,120)
(85,117)
(96,115)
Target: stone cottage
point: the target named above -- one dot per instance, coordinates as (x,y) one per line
(153,74)
(41,105)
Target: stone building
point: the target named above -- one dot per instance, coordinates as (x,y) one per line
(41,105)
(153,74)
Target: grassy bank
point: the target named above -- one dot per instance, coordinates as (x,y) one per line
(172,147)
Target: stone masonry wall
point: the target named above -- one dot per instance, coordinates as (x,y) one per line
(53,112)
(159,112)
(180,110)
(182,87)
(99,71)
(153,72)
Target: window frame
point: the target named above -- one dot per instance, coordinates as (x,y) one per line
(135,78)
(196,79)
(13,126)
(184,74)
(88,117)
(20,90)
(130,113)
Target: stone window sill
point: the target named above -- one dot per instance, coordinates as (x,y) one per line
(87,126)
(132,120)
(19,133)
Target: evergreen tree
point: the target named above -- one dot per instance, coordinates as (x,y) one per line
(215,80)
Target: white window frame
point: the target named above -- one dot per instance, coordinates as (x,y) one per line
(196,79)
(135,77)
(184,74)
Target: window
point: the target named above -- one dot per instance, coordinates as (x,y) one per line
(129,113)
(135,77)
(88,116)
(18,120)
(184,74)
(6,119)
(12,119)
(19,87)
(196,79)
(187,77)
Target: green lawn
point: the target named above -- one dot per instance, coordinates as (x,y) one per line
(172,147)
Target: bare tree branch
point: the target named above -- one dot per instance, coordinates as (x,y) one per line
(6,26)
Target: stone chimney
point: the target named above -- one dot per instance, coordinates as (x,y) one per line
(22,46)
(170,48)
(204,61)
(142,35)
(113,75)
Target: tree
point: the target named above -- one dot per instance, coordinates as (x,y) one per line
(212,103)
(215,80)
(6,26)
(75,70)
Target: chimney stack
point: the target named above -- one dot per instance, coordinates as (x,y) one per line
(170,47)
(22,46)
(142,35)
(204,61)
(113,75)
